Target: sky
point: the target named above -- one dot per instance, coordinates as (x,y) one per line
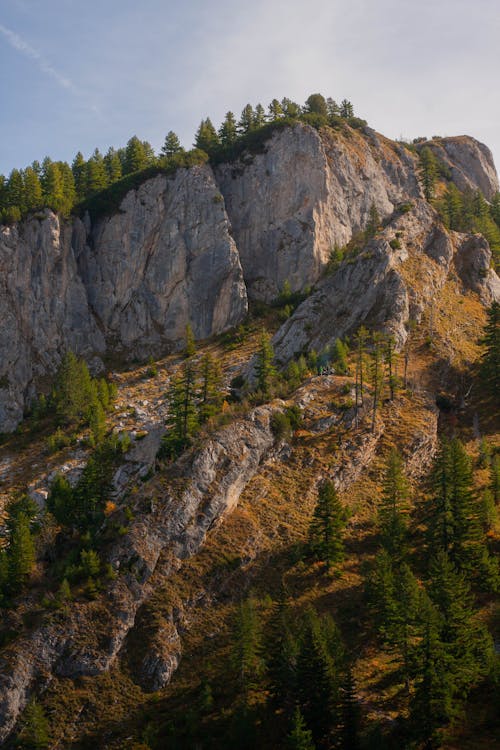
(76,76)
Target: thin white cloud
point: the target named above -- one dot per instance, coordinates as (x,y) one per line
(19,44)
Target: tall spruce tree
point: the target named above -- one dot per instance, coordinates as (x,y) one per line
(490,368)
(300,737)
(264,368)
(428,172)
(327,526)
(393,506)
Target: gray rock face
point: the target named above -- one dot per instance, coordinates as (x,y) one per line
(470,163)
(306,194)
(166,259)
(43,307)
(128,285)
(373,288)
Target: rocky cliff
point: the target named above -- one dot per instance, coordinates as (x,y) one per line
(189,247)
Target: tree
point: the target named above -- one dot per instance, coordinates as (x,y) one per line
(428,172)
(60,499)
(360,339)
(190,345)
(333,109)
(373,223)
(281,654)
(206,137)
(376,374)
(316,104)
(490,367)
(211,393)
(135,156)
(21,552)
(393,504)
(328,522)
(300,737)
(172,145)
(247,649)
(97,178)
(391,361)
(112,165)
(290,109)
(275,111)
(264,367)
(32,189)
(35,728)
(349,713)
(259,118)
(182,421)
(339,356)
(247,120)
(346,109)
(79,169)
(228,133)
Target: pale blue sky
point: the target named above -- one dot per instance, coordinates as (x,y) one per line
(77,75)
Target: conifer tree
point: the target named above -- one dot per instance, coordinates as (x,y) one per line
(135,156)
(339,355)
(32,189)
(327,525)
(333,109)
(376,374)
(360,339)
(275,111)
(264,368)
(211,393)
(346,109)
(228,133)
(349,713)
(373,223)
(290,109)
(393,504)
(281,655)
(79,169)
(97,178)
(300,737)
(247,649)
(391,363)
(316,104)
(259,118)
(494,484)
(247,120)
(172,144)
(21,552)
(490,369)
(112,165)
(35,728)
(190,345)
(428,172)
(206,137)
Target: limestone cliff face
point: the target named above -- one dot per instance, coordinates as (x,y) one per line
(470,163)
(128,285)
(166,259)
(43,308)
(307,193)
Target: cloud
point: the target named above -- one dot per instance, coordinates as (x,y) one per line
(19,44)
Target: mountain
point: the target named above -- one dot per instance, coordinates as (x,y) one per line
(318,232)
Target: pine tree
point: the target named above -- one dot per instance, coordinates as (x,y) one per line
(360,340)
(490,368)
(300,737)
(291,109)
(247,649)
(112,165)
(228,132)
(32,189)
(35,728)
(339,356)
(259,118)
(316,104)
(494,484)
(281,655)
(190,345)
(211,393)
(206,137)
(376,374)
(428,172)
(79,169)
(264,368)
(172,144)
(391,363)
(393,504)
(60,499)
(328,522)
(275,111)
(135,156)
(21,552)
(373,223)
(346,109)
(97,178)
(349,714)
(247,120)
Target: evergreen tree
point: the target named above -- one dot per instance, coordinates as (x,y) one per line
(15,191)
(316,104)
(172,144)
(79,169)
(135,156)
(281,657)
(360,339)
(211,394)
(35,728)
(112,165)
(333,109)
(328,522)
(376,374)
(32,189)
(183,413)
(393,504)
(391,363)
(97,178)
(346,109)
(300,737)
(275,111)
(247,120)
(490,368)
(349,714)
(494,484)
(4,575)
(247,649)
(228,131)
(60,499)
(259,118)
(21,552)
(339,356)
(265,369)
(428,172)
(206,137)
(290,109)
(190,345)
(373,223)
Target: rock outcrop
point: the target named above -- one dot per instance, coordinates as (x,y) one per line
(127,285)
(470,163)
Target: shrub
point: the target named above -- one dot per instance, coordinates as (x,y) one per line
(395,244)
